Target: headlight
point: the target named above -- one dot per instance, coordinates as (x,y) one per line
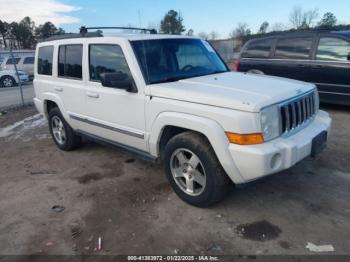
(270,125)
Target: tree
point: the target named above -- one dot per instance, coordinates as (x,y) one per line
(241,32)
(48,29)
(301,19)
(213,35)
(203,35)
(277,27)
(172,23)
(21,34)
(328,21)
(4,27)
(263,28)
(190,32)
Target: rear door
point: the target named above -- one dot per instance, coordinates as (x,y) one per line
(291,57)
(330,69)
(255,56)
(28,65)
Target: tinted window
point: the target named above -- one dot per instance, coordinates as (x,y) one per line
(45,60)
(28,60)
(191,55)
(167,60)
(258,48)
(12,61)
(106,58)
(70,61)
(334,49)
(296,48)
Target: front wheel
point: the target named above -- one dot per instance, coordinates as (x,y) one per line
(7,81)
(194,171)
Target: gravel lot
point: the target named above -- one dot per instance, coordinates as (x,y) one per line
(127,202)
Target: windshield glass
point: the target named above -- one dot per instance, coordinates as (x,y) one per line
(167,60)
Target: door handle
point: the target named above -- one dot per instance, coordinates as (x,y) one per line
(92,94)
(302,66)
(316,67)
(58,89)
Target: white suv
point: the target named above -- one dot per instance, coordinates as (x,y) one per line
(172,98)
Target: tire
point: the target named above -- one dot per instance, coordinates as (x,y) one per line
(200,182)
(7,81)
(59,128)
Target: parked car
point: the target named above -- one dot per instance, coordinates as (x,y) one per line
(8,78)
(322,58)
(24,63)
(171,98)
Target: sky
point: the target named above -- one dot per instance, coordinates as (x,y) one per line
(221,16)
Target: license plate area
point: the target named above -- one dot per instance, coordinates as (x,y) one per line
(319,143)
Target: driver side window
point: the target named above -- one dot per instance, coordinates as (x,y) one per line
(191,55)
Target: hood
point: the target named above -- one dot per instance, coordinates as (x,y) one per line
(245,92)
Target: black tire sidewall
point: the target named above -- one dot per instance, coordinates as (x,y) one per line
(70,142)
(10,77)
(210,165)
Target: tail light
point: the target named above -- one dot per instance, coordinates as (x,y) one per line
(236,66)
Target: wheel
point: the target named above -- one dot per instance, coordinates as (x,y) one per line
(62,134)
(194,171)
(7,81)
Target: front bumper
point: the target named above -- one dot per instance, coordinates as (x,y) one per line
(24,78)
(256,161)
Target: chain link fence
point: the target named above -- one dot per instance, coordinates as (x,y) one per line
(16,75)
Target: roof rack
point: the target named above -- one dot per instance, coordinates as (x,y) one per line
(84,30)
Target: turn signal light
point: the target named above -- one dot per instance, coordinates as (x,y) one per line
(245,139)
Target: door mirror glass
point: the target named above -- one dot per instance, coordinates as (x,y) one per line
(118,80)
(349,57)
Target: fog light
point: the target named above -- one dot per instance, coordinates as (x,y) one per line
(276,161)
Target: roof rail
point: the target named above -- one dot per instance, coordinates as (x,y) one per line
(72,35)
(84,30)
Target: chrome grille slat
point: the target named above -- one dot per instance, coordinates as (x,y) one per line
(297,112)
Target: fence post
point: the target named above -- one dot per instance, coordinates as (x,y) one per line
(19,80)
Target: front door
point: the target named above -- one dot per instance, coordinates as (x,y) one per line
(113,113)
(330,70)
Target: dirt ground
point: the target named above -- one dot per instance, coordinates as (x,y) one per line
(54,202)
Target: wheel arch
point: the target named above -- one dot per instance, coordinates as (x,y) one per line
(168,124)
(51,100)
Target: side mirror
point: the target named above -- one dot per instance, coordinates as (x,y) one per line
(118,80)
(349,57)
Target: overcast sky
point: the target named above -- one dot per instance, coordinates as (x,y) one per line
(200,15)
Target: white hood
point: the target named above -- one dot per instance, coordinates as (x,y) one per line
(246,92)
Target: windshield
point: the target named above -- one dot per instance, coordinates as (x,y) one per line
(167,60)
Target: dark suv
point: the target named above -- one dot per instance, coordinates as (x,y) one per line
(322,58)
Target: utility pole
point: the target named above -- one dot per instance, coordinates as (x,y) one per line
(19,80)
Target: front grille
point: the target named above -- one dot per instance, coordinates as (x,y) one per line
(297,112)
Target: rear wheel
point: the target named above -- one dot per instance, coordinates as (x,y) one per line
(62,134)
(194,171)
(7,81)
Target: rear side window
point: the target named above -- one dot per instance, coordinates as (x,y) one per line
(106,59)
(293,48)
(70,61)
(333,49)
(258,49)
(13,61)
(45,56)
(28,60)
